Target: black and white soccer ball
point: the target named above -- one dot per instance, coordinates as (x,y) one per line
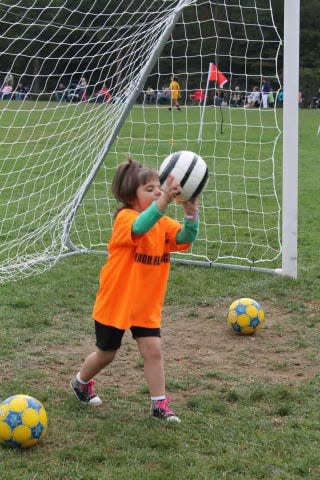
(189,169)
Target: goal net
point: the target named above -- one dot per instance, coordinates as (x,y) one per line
(84,86)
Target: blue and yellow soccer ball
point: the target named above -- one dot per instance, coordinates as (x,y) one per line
(245,316)
(23,421)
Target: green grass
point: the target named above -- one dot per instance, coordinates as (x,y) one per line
(236,423)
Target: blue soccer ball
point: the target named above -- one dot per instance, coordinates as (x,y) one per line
(245,316)
(23,421)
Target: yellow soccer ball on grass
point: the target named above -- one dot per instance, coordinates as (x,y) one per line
(23,421)
(245,316)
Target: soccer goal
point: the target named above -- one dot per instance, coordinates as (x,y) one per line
(85,85)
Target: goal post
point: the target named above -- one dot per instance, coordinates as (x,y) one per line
(74,83)
(290,138)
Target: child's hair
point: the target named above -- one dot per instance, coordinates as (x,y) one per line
(128,177)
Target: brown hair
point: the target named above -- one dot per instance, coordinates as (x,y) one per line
(128,177)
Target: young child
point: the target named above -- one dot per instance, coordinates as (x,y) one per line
(134,279)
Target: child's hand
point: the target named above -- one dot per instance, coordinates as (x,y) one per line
(170,189)
(191,208)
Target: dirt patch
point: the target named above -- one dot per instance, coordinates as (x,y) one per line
(201,351)
(205,345)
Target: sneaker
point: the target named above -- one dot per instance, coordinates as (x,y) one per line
(85,392)
(160,409)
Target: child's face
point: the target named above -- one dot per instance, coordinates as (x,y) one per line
(146,194)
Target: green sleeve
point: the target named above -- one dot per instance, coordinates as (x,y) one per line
(146,219)
(189,231)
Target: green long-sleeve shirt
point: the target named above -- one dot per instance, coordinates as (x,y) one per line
(146,219)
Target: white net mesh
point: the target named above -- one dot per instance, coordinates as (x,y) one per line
(76,73)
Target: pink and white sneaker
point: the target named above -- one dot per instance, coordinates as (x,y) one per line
(160,409)
(85,392)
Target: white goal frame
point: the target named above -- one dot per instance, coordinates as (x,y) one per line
(66,239)
(290,147)
(290,139)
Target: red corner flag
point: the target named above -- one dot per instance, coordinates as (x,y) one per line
(216,76)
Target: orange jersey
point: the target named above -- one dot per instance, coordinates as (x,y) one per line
(175,90)
(134,279)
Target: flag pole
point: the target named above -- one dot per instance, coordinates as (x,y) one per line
(204,106)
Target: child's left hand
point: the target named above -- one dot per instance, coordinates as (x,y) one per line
(190,207)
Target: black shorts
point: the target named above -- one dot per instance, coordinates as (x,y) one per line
(109,338)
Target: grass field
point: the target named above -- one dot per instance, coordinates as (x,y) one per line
(249,405)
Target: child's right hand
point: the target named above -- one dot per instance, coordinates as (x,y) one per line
(170,189)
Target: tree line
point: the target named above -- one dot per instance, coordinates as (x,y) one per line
(44,50)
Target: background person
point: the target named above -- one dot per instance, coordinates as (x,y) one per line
(21,91)
(236,98)
(218,97)
(103,95)
(61,92)
(174,87)
(300,99)
(271,98)
(163,96)
(253,99)
(80,92)
(265,91)
(150,95)
(6,92)
(279,98)
(198,96)
(9,79)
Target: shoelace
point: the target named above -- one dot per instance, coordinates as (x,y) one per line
(164,405)
(90,388)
